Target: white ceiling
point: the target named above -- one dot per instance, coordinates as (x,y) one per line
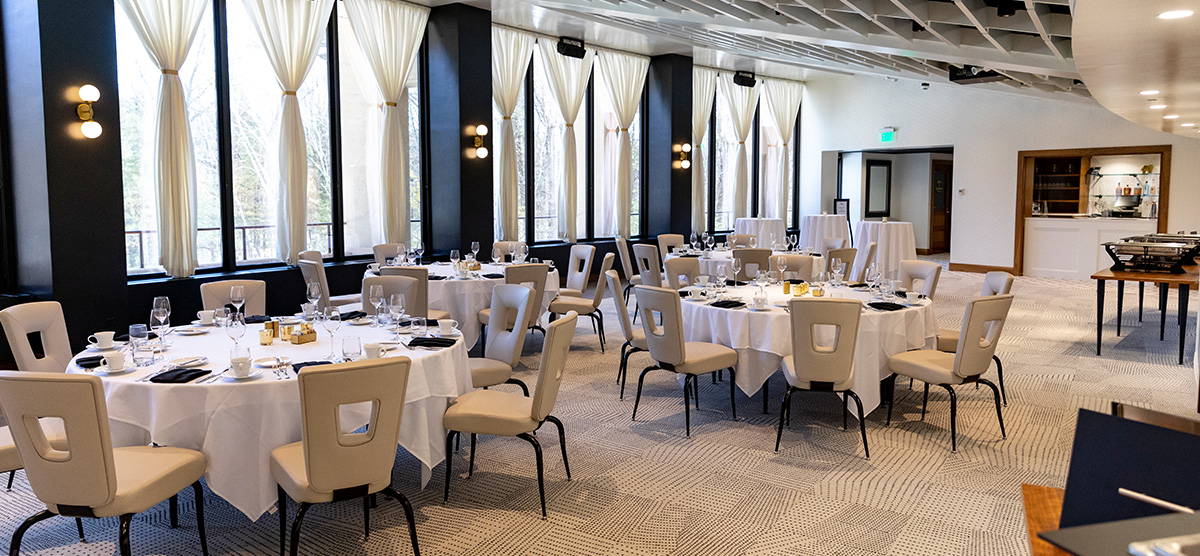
(1123,49)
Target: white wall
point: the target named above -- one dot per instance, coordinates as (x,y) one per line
(910,193)
(853,182)
(986,129)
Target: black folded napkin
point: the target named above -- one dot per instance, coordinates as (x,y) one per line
(351,315)
(885,306)
(690,256)
(432,342)
(180,376)
(436,277)
(728,304)
(795,281)
(859,285)
(125,337)
(257,319)
(816,254)
(297,366)
(493,275)
(732,282)
(90,362)
(428,322)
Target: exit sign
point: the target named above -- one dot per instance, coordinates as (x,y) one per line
(887,135)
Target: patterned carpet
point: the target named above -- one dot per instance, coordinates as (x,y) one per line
(643,488)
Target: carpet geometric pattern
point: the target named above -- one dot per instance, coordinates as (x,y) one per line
(643,488)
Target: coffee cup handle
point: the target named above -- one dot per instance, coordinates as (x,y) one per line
(92,339)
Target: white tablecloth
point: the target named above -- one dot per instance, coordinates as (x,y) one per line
(463,299)
(762,228)
(237,424)
(715,262)
(895,239)
(814,228)
(763,338)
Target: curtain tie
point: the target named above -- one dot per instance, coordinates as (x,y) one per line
(569,125)
(291,93)
(507,117)
(741,142)
(625,129)
(170,72)
(392,104)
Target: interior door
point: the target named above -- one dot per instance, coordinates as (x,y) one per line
(939,206)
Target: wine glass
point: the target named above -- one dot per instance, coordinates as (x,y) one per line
(455,257)
(512,251)
(793,241)
(731,274)
(397,308)
(420,249)
(497,256)
(331,320)
(375,296)
(735,266)
(313,292)
(237,296)
(693,237)
(475,249)
(522,252)
(351,348)
(709,240)
(754,242)
(781,265)
(236,327)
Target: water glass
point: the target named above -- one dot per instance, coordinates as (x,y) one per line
(221,316)
(497,256)
(313,292)
(396,305)
(351,348)
(139,345)
(454,256)
(419,328)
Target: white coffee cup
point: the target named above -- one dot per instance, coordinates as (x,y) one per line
(373,267)
(206,317)
(374,350)
(446,326)
(240,366)
(702,279)
(115,361)
(102,340)
(912,297)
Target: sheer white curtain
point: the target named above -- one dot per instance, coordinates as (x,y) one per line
(783,103)
(624,76)
(166,30)
(389,34)
(742,102)
(568,82)
(704,90)
(290,32)
(510,60)
(606,186)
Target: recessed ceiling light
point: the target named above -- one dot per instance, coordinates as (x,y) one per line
(1171,117)
(1150,92)
(1157,106)
(1175,14)
(1188,125)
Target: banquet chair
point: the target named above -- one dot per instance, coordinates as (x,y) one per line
(862,262)
(417,302)
(587,307)
(403,285)
(668,243)
(502,350)
(504,414)
(983,321)
(89,477)
(759,258)
(44,318)
(738,240)
(533,275)
(846,255)
(504,245)
(671,353)
(627,267)
(579,270)
(314,271)
(330,464)
(682,271)
(926,271)
(994,283)
(833,243)
(635,338)
(215,295)
(385,251)
(799,267)
(817,366)
(649,264)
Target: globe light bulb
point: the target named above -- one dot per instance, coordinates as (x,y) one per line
(481,152)
(91,129)
(89,93)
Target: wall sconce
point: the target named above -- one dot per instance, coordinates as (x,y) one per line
(90,128)
(480,132)
(685,152)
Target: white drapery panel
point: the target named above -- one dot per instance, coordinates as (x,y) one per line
(770,162)
(783,103)
(167,30)
(389,34)
(624,77)
(290,32)
(742,102)
(510,60)
(704,90)
(606,187)
(568,82)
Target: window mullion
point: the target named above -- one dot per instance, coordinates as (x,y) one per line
(225,137)
(337,218)
(530,156)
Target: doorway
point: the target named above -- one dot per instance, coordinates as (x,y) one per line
(940,186)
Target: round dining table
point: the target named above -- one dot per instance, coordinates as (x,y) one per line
(762,338)
(762,228)
(814,228)
(895,242)
(236,423)
(713,263)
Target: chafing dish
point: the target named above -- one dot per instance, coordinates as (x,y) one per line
(1154,252)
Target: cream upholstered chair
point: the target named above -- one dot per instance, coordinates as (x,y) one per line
(667,243)
(681,271)
(534,276)
(331,464)
(214,295)
(926,271)
(504,414)
(511,307)
(44,318)
(649,264)
(863,261)
(587,307)
(824,332)
(757,260)
(635,278)
(579,270)
(403,285)
(314,271)
(635,338)
(417,303)
(385,251)
(846,255)
(736,241)
(672,353)
(310,255)
(504,246)
(833,243)
(994,283)
(983,322)
(90,478)
(799,267)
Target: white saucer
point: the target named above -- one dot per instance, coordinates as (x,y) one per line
(291,321)
(176,363)
(198,323)
(359,321)
(781,304)
(271,362)
(192,330)
(104,370)
(454,333)
(114,347)
(254,373)
(753,308)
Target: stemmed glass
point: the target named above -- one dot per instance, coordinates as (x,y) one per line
(793,241)
(735,266)
(781,266)
(709,240)
(455,257)
(221,316)
(693,238)
(512,251)
(731,273)
(475,250)
(401,253)
(420,249)
(375,296)
(237,296)
(313,293)
(160,316)
(397,308)
(754,242)
(331,320)
(236,327)
(497,256)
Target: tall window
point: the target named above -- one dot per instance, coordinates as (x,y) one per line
(549,154)
(605,141)
(520,134)
(137,78)
(725,149)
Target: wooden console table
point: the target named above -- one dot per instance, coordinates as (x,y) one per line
(1185,281)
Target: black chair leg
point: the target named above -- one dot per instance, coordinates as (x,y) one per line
(891,391)
(925,401)
(518,382)
(408,514)
(449,464)
(638,399)
(296,523)
(366,517)
(1000,375)
(766,393)
(999,416)
(732,385)
(471,465)
(198,490)
(79,527)
(537,451)
(953,418)
(123,535)
(11,474)
(696,391)
(15,548)
(687,411)
(784,409)
(283,518)
(845,412)
(562,442)
(862,422)
(173,510)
